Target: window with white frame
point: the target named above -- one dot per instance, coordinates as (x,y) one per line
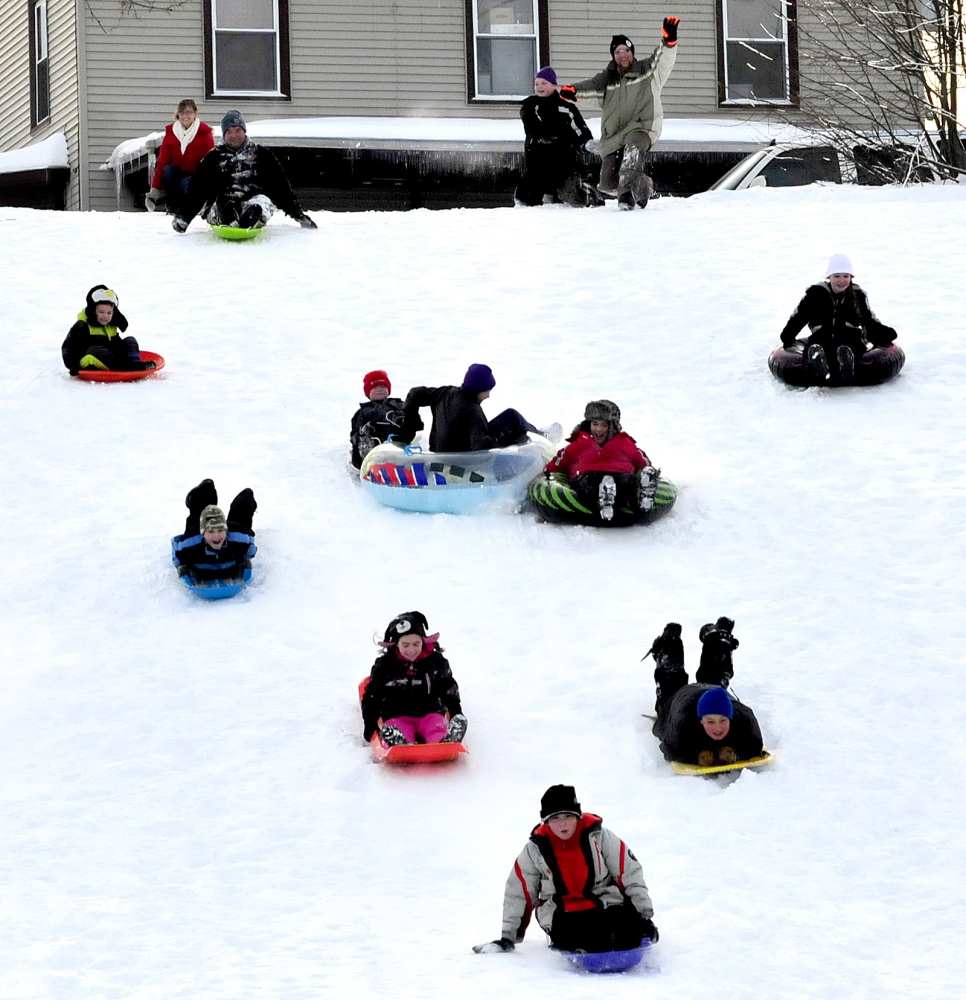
(506,40)
(247,47)
(39,63)
(757,53)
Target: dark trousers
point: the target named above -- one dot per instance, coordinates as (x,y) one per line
(240,512)
(587,488)
(616,928)
(669,678)
(510,427)
(175,183)
(126,360)
(623,170)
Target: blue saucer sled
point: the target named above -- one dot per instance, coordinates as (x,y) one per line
(215,590)
(408,478)
(607,961)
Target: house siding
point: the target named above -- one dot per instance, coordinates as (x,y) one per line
(15,130)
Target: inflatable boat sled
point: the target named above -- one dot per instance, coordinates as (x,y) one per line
(554,499)
(607,961)
(103,375)
(765,757)
(877,365)
(408,478)
(412,753)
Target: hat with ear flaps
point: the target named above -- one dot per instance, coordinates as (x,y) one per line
(604,409)
(102,294)
(407,623)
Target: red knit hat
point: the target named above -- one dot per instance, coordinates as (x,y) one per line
(372,379)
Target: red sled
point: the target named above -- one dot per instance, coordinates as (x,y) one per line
(98,375)
(413,753)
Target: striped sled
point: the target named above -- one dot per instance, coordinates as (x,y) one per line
(215,590)
(414,753)
(766,757)
(554,499)
(408,478)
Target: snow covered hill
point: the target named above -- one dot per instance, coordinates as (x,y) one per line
(189,811)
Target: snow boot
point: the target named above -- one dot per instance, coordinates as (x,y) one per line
(817,363)
(717,645)
(626,202)
(202,495)
(669,673)
(645,196)
(553,433)
(648,487)
(456,730)
(846,359)
(607,495)
(392,737)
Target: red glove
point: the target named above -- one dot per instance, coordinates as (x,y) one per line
(670,31)
(569,94)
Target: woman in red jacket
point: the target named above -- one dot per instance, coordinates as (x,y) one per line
(186,141)
(604,464)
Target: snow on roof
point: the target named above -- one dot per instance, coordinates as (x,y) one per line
(50,152)
(376,132)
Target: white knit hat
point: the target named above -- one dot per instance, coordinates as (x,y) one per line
(839,264)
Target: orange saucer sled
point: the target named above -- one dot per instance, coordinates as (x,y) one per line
(98,375)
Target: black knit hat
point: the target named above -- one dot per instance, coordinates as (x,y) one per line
(559,799)
(620,40)
(604,409)
(408,623)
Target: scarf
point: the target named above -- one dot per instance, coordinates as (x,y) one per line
(185,136)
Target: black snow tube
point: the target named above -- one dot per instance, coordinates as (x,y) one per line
(554,499)
(878,364)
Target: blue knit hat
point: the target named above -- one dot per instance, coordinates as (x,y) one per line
(715,702)
(478,378)
(232,119)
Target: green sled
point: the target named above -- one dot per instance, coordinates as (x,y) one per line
(554,499)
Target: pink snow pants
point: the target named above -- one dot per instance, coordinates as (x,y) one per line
(432,728)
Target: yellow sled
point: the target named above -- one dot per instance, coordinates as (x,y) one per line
(766,758)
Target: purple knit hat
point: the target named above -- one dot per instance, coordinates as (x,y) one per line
(548,74)
(478,378)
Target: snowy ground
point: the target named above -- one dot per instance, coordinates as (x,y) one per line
(189,810)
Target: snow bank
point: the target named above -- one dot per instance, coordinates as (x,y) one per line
(189,809)
(51,152)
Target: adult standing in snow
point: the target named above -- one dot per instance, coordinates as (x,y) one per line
(555,131)
(215,547)
(459,423)
(629,90)
(186,142)
(411,688)
(604,463)
(581,881)
(239,183)
(701,723)
(840,321)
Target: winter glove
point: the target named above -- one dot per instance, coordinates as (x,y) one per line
(151,199)
(178,224)
(884,336)
(491,947)
(670,31)
(569,94)
(306,223)
(650,931)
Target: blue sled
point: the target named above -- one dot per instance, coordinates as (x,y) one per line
(607,961)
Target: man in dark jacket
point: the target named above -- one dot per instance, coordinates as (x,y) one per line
(214,547)
(555,130)
(629,91)
(459,423)
(239,184)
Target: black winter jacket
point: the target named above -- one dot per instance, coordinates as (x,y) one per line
(459,423)
(85,333)
(241,173)
(372,424)
(400,687)
(553,121)
(837,319)
(683,737)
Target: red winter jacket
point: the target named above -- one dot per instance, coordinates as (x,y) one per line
(583,454)
(169,153)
